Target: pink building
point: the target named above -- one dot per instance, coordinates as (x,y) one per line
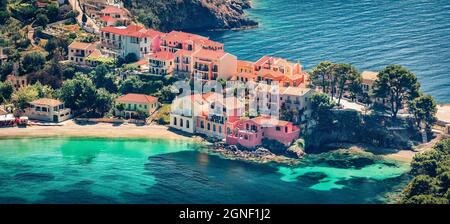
(213,65)
(161,63)
(115,14)
(177,40)
(250,133)
(121,41)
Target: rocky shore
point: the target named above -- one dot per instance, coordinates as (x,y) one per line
(259,155)
(166,15)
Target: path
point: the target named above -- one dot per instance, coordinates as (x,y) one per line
(90,23)
(30,35)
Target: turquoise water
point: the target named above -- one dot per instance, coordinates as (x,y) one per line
(369,34)
(98,170)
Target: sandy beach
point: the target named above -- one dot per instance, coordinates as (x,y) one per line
(71,129)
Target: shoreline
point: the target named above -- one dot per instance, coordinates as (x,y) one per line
(100,130)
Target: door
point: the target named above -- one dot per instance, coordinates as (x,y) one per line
(55,118)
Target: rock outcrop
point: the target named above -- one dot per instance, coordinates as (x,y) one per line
(166,15)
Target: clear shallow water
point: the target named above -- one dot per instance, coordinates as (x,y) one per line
(369,34)
(75,170)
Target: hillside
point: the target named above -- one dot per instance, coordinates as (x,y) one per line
(168,15)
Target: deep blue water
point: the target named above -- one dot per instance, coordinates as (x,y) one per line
(370,34)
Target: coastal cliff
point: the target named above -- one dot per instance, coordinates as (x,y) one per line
(166,15)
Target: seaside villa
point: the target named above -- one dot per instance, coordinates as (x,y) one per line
(49,110)
(251,132)
(132,104)
(79,51)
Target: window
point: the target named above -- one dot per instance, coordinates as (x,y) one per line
(181,122)
(214,128)
(286,129)
(278,128)
(187,123)
(220,129)
(145,106)
(209,126)
(202,125)
(174,121)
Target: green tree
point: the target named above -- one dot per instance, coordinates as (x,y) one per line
(52,12)
(396,84)
(322,74)
(6,91)
(78,93)
(130,58)
(424,110)
(343,73)
(44,91)
(103,101)
(132,84)
(23,96)
(42,20)
(321,104)
(33,61)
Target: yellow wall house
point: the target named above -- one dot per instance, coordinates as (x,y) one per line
(50,110)
(133,103)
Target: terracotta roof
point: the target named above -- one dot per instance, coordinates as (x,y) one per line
(369,75)
(268,121)
(95,54)
(81,45)
(142,62)
(113,9)
(244,63)
(294,91)
(179,36)
(153,33)
(184,52)
(137,98)
(47,102)
(122,30)
(208,54)
(162,55)
(108,19)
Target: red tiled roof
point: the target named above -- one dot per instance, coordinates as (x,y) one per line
(153,33)
(244,63)
(81,45)
(209,54)
(262,120)
(132,31)
(113,9)
(138,98)
(47,102)
(125,31)
(162,55)
(108,19)
(184,52)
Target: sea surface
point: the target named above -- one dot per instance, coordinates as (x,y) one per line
(101,170)
(369,34)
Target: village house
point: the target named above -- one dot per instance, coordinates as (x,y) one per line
(182,113)
(79,51)
(114,15)
(368,80)
(183,63)
(250,133)
(205,114)
(272,69)
(133,104)
(213,65)
(176,40)
(49,110)
(121,41)
(17,80)
(161,63)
